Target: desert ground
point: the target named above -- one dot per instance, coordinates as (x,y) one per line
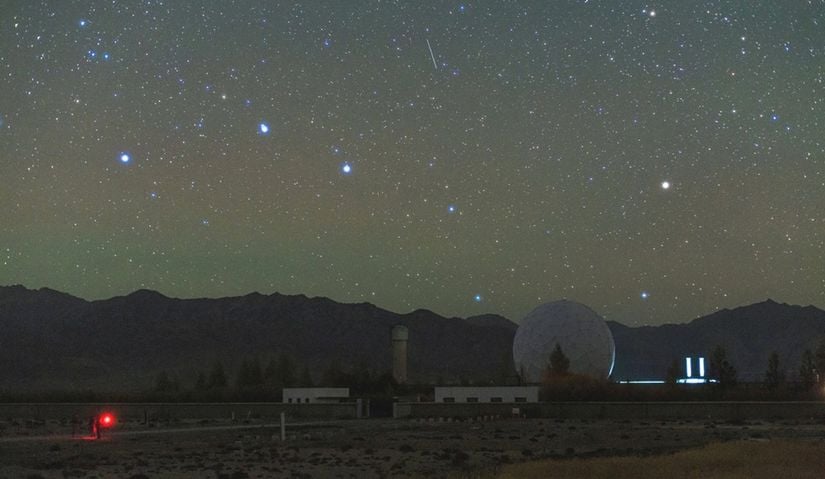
(359,448)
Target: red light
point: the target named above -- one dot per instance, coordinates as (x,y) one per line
(107,420)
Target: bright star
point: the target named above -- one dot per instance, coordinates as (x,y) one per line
(477,298)
(346,168)
(644,295)
(125,158)
(665,185)
(83,22)
(263,128)
(451,209)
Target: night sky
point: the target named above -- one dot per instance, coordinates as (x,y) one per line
(655,161)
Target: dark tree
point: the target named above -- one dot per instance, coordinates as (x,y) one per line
(249,374)
(819,360)
(163,384)
(721,368)
(507,370)
(559,364)
(217,377)
(271,374)
(774,377)
(333,377)
(673,373)
(306,378)
(807,370)
(200,382)
(285,372)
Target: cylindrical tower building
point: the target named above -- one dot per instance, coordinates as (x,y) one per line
(400,335)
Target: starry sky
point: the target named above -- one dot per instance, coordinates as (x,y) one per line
(655,161)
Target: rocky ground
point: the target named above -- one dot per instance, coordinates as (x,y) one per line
(355,448)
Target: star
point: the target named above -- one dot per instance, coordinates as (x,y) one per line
(263,128)
(125,157)
(346,168)
(665,185)
(451,209)
(644,295)
(477,298)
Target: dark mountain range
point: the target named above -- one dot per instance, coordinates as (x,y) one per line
(749,334)
(50,340)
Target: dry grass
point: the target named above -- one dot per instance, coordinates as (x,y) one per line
(733,460)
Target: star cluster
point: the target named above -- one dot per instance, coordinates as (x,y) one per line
(654,161)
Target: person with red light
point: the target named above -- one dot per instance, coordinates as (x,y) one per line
(94,423)
(93,427)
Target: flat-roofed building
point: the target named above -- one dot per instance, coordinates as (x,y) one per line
(487,394)
(315,395)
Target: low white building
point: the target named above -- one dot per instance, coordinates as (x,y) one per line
(487,394)
(315,395)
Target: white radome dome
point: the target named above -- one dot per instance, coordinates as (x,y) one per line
(582,334)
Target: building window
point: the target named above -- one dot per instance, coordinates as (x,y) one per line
(496,399)
(472,399)
(449,399)
(521,399)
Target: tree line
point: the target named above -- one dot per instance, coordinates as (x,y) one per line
(252,381)
(558,383)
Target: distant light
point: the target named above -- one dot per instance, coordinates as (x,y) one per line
(346,168)
(665,185)
(125,158)
(477,298)
(687,367)
(641,381)
(451,209)
(702,367)
(695,381)
(83,22)
(644,295)
(652,13)
(263,128)
(107,419)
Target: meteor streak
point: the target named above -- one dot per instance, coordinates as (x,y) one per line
(435,65)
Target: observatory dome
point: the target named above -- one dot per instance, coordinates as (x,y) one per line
(582,334)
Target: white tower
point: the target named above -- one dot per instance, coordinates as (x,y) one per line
(400,335)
